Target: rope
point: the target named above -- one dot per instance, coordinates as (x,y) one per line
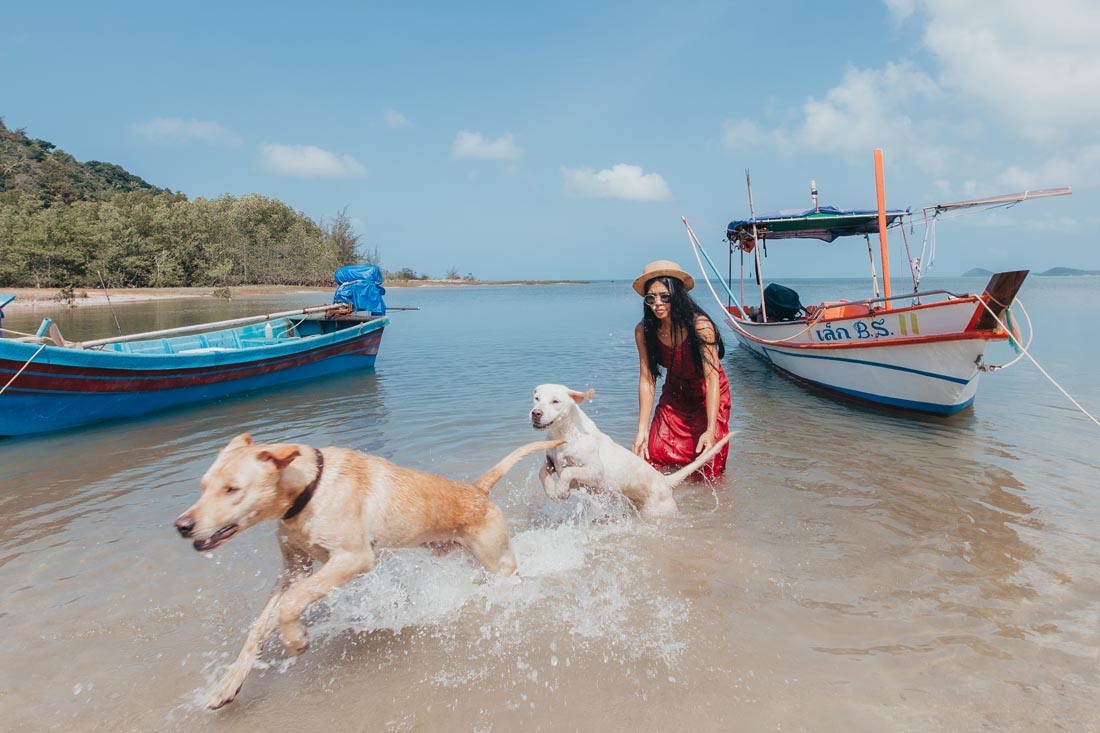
(1025,352)
(698,248)
(25,365)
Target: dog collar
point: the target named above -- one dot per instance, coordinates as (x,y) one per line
(307,493)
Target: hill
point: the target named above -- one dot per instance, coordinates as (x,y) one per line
(977,272)
(1064,271)
(53,176)
(64,223)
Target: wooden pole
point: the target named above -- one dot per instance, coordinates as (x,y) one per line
(880,191)
(207,326)
(755,250)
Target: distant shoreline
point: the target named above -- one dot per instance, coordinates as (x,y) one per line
(51,297)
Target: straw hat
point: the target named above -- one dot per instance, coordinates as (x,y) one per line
(662,268)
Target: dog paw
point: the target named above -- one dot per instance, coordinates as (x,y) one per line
(294,640)
(226,693)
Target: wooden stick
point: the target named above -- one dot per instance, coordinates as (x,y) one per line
(206,326)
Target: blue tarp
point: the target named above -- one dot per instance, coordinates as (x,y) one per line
(360,285)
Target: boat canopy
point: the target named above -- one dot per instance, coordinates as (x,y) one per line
(825,223)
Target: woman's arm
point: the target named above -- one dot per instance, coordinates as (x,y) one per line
(647,386)
(705,330)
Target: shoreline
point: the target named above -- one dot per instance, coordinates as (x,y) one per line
(51,297)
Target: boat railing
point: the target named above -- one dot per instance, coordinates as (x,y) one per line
(889,298)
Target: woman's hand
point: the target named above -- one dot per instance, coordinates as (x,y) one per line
(641,445)
(706,440)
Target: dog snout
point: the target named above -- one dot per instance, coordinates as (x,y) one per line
(185,525)
(536,414)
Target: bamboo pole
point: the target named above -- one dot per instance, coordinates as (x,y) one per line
(756,251)
(205,326)
(880,191)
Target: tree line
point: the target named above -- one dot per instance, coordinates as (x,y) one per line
(145,239)
(64,223)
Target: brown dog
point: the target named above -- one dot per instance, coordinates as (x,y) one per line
(337,507)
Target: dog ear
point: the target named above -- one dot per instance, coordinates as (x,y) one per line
(241,441)
(280,455)
(580,397)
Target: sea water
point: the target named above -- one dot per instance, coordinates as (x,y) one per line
(857,569)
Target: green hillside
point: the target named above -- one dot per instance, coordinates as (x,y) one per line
(65,223)
(55,177)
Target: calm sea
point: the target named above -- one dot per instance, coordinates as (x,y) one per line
(856,570)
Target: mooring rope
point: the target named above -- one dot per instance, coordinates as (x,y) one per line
(25,365)
(1024,352)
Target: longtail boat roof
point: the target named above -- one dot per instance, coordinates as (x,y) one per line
(825,223)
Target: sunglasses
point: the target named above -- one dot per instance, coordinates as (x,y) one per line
(651,298)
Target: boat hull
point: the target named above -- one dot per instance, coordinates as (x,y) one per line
(63,387)
(925,358)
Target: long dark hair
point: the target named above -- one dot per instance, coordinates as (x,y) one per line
(683,310)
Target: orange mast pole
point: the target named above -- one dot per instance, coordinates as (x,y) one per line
(880,191)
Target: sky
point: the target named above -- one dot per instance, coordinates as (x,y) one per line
(567,139)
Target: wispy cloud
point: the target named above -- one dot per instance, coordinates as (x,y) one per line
(472,145)
(394,119)
(176,130)
(1014,81)
(1038,71)
(309,161)
(620,181)
(867,109)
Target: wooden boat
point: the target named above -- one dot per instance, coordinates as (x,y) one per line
(919,350)
(47,383)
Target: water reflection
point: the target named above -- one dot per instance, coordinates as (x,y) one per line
(948,525)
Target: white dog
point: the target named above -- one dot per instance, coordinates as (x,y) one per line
(590,458)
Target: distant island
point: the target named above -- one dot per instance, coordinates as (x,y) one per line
(1053,272)
(1062,271)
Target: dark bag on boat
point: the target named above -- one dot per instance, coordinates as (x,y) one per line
(781,303)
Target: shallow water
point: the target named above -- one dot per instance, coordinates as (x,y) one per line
(857,569)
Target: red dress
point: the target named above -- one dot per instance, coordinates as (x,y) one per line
(681,415)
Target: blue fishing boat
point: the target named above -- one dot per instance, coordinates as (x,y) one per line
(48,383)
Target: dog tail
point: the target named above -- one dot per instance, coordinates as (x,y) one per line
(485,481)
(683,473)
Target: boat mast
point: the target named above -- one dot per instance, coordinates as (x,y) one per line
(880,191)
(756,251)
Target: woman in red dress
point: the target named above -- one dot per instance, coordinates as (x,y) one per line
(694,409)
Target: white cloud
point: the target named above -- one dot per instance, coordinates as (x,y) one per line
(621,181)
(1054,172)
(864,111)
(1035,67)
(175,130)
(472,145)
(394,119)
(309,161)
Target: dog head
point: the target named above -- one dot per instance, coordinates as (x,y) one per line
(555,403)
(239,490)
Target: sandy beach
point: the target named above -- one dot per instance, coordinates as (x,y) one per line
(51,297)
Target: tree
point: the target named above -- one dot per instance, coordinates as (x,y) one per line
(341,233)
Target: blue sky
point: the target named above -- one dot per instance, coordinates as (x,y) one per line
(566,140)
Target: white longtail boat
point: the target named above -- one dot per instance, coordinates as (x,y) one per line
(919,350)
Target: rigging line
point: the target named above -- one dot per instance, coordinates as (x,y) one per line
(1026,353)
(698,248)
(25,365)
(1030,336)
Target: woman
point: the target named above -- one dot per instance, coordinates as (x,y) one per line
(694,409)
